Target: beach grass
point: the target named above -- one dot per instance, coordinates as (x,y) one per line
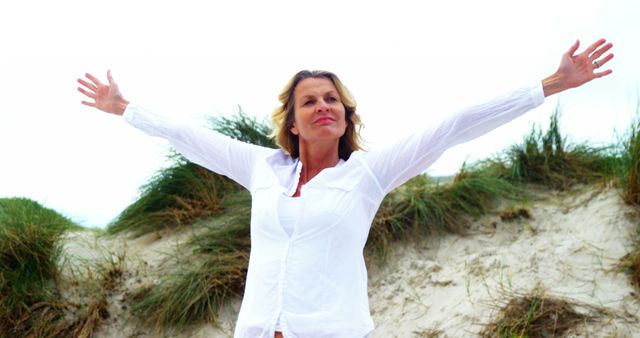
(547,158)
(630,184)
(210,276)
(108,277)
(30,252)
(422,208)
(630,164)
(245,128)
(539,315)
(176,196)
(86,312)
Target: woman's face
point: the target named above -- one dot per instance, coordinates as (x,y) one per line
(319,112)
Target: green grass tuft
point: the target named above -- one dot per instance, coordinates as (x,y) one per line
(630,183)
(30,250)
(214,274)
(175,197)
(630,164)
(547,159)
(244,128)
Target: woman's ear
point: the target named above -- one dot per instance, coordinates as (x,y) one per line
(294,129)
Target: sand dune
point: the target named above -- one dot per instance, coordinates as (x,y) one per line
(448,285)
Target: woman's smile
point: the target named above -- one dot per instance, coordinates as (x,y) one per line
(324,120)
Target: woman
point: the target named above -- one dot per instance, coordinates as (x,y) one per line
(314,199)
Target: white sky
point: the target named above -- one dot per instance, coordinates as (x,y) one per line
(408,63)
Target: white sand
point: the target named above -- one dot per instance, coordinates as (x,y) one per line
(448,286)
(453,285)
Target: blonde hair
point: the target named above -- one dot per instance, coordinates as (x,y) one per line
(284,115)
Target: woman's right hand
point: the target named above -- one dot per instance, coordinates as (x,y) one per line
(106,97)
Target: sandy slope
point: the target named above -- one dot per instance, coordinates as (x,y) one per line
(453,285)
(450,286)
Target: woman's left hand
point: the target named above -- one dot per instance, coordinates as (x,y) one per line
(578,69)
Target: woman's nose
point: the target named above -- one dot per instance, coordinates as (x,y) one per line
(322,105)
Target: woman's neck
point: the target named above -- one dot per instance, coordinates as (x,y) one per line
(314,160)
(317,160)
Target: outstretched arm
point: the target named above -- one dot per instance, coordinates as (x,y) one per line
(210,149)
(395,165)
(106,97)
(578,69)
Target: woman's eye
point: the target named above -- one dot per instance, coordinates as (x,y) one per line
(332,99)
(307,103)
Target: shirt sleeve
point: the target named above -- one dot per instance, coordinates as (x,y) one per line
(394,165)
(208,148)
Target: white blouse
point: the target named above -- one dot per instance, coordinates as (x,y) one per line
(288,212)
(314,280)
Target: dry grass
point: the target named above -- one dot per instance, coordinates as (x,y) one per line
(103,279)
(61,318)
(630,264)
(538,315)
(514,214)
(428,333)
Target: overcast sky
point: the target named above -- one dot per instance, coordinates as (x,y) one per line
(408,63)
